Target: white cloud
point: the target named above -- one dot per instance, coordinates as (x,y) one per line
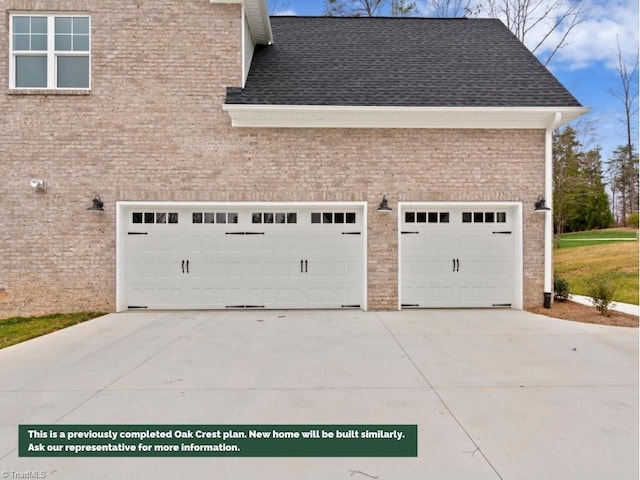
(594,41)
(286,13)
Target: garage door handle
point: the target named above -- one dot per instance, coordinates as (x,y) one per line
(306,270)
(301,266)
(187,266)
(182,266)
(456,265)
(304,266)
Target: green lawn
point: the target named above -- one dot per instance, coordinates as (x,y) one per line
(19,329)
(579,262)
(598,237)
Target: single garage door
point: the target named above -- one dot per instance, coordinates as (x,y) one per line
(241,256)
(458,256)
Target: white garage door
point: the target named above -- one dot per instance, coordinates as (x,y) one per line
(457,257)
(239,256)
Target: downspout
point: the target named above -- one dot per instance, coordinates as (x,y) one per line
(548,195)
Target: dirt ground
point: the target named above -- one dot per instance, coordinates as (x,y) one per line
(576,312)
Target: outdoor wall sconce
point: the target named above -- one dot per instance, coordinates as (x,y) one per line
(38,185)
(97,205)
(384,206)
(541,205)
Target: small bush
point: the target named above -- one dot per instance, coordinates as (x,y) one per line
(632,220)
(560,289)
(601,290)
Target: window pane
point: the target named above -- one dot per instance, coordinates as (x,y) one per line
(280,218)
(196,218)
(315,218)
(478,217)
(351,217)
(137,217)
(256,218)
(161,217)
(21,42)
(21,24)
(327,217)
(268,218)
(38,42)
(81,25)
(31,72)
(81,43)
(149,217)
(466,217)
(410,217)
(63,25)
(73,72)
(339,217)
(233,218)
(433,217)
(210,217)
(173,218)
(489,217)
(292,217)
(39,25)
(221,218)
(444,217)
(63,42)
(501,217)
(421,217)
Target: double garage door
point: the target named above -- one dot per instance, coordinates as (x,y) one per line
(221,256)
(237,256)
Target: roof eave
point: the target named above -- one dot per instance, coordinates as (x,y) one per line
(257,15)
(314,116)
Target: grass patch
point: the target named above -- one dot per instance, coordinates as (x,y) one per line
(618,260)
(19,329)
(598,237)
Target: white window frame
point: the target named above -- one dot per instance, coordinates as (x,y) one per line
(51,53)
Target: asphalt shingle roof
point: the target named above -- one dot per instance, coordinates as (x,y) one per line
(426,62)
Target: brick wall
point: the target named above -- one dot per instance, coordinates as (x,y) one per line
(152,128)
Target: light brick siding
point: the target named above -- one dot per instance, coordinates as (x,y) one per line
(152,128)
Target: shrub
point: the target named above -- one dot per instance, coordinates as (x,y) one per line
(632,220)
(601,290)
(560,289)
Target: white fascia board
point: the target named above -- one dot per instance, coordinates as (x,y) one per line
(257,15)
(313,116)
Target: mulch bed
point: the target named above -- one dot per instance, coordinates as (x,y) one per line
(576,312)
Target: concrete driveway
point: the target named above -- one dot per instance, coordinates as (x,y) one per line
(496,394)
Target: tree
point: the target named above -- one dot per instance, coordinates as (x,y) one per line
(369,8)
(580,200)
(543,20)
(623,166)
(624,163)
(276,7)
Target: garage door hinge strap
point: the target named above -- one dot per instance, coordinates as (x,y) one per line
(501,305)
(410,305)
(502,233)
(133,307)
(244,233)
(137,233)
(350,233)
(409,233)
(349,306)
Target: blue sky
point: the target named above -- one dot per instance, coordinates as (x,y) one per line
(586,65)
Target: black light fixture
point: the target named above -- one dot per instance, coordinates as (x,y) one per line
(541,205)
(384,206)
(97,205)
